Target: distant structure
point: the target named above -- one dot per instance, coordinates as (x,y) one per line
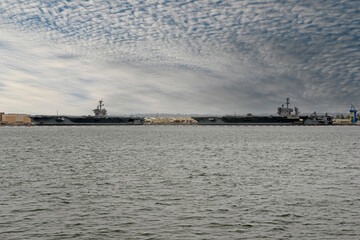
(14,119)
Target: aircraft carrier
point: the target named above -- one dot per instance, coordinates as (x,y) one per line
(286,116)
(100,118)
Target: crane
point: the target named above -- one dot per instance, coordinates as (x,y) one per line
(353,114)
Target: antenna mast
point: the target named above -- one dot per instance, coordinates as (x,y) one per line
(101,104)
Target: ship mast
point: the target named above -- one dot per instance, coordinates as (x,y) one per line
(100,104)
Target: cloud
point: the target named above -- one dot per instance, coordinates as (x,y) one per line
(188,56)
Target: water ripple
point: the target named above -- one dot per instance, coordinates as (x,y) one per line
(185,182)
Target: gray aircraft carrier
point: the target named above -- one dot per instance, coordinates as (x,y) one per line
(286,116)
(100,118)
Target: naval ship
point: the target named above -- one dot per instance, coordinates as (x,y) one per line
(100,118)
(286,116)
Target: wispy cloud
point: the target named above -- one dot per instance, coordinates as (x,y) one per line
(187,56)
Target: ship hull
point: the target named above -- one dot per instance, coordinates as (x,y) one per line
(69,121)
(264,120)
(318,120)
(254,120)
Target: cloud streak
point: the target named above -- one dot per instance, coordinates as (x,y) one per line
(179,56)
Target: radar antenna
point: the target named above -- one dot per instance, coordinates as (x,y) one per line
(101,103)
(287,102)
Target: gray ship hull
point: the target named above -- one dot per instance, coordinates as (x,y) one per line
(264,120)
(254,120)
(318,120)
(88,120)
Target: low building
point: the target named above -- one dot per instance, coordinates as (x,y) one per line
(169,121)
(14,119)
(341,121)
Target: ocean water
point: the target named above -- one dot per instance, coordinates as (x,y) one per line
(180,182)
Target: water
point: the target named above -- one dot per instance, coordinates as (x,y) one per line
(179,182)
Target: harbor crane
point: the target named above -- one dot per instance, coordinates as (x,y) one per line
(353,114)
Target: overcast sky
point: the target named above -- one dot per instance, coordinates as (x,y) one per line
(179,56)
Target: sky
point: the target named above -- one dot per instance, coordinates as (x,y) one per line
(179,56)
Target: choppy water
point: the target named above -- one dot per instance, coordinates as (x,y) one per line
(179,182)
